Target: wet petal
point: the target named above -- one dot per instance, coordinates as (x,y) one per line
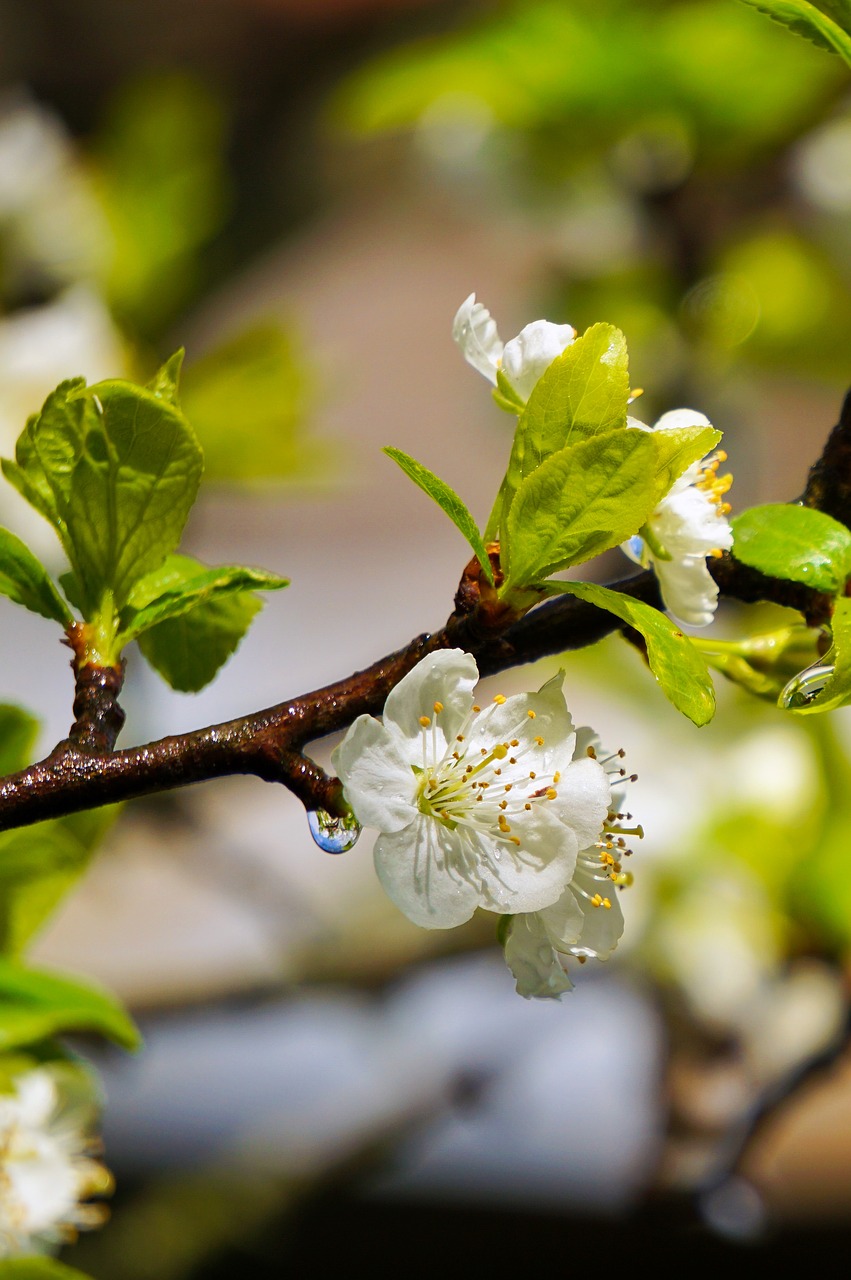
(474,329)
(602,926)
(533,874)
(447,676)
(530,956)
(531,353)
(584,796)
(419,870)
(379,782)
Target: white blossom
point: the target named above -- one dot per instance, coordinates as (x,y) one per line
(689,524)
(47,1169)
(523,360)
(476,806)
(586,921)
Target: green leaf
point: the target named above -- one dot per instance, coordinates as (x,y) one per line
(36,1004)
(165,381)
(448,501)
(24,579)
(677,665)
(207,586)
(18,732)
(592,496)
(188,650)
(39,1269)
(583,392)
(827,23)
(837,690)
(798,543)
(116,469)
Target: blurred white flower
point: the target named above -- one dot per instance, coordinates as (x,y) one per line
(47,1169)
(40,347)
(477,807)
(586,921)
(689,524)
(523,360)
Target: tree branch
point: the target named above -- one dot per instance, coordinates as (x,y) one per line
(84,771)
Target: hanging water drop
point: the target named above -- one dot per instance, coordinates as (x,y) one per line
(332,834)
(805,686)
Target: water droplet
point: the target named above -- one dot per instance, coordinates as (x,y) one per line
(334,835)
(803,687)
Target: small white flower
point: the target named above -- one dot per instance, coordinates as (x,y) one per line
(689,524)
(46,1166)
(477,807)
(586,921)
(523,360)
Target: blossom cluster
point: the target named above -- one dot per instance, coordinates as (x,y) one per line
(48,1169)
(501,807)
(689,524)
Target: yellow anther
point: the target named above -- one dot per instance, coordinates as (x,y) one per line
(596,901)
(425,721)
(508,786)
(499,699)
(533,775)
(539,741)
(515,742)
(556,778)
(503,804)
(514,840)
(459,737)
(527,806)
(589,751)
(531,715)
(500,751)
(607,904)
(512,759)
(551,793)
(503,824)
(477,710)
(438,707)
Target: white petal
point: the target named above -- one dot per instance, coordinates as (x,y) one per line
(530,957)
(534,874)
(602,926)
(584,796)
(447,676)
(564,920)
(550,720)
(418,870)
(688,523)
(531,353)
(677,418)
(474,329)
(379,782)
(688,590)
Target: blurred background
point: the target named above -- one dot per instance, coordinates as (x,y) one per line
(301,193)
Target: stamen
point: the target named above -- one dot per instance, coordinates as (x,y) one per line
(531,715)
(499,699)
(425,721)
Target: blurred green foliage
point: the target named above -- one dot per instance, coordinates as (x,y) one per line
(684,159)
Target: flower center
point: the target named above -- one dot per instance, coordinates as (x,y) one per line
(486,789)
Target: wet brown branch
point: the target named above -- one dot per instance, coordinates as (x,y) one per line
(85,771)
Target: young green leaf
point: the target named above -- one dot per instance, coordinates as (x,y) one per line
(836,692)
(165,381)
(36,1005)
(592,496)
(798,543)
(189,647)
(448,501)
(677,665)
(826,22)
(583,392)
(24,579)
(205,587)
(116,470)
